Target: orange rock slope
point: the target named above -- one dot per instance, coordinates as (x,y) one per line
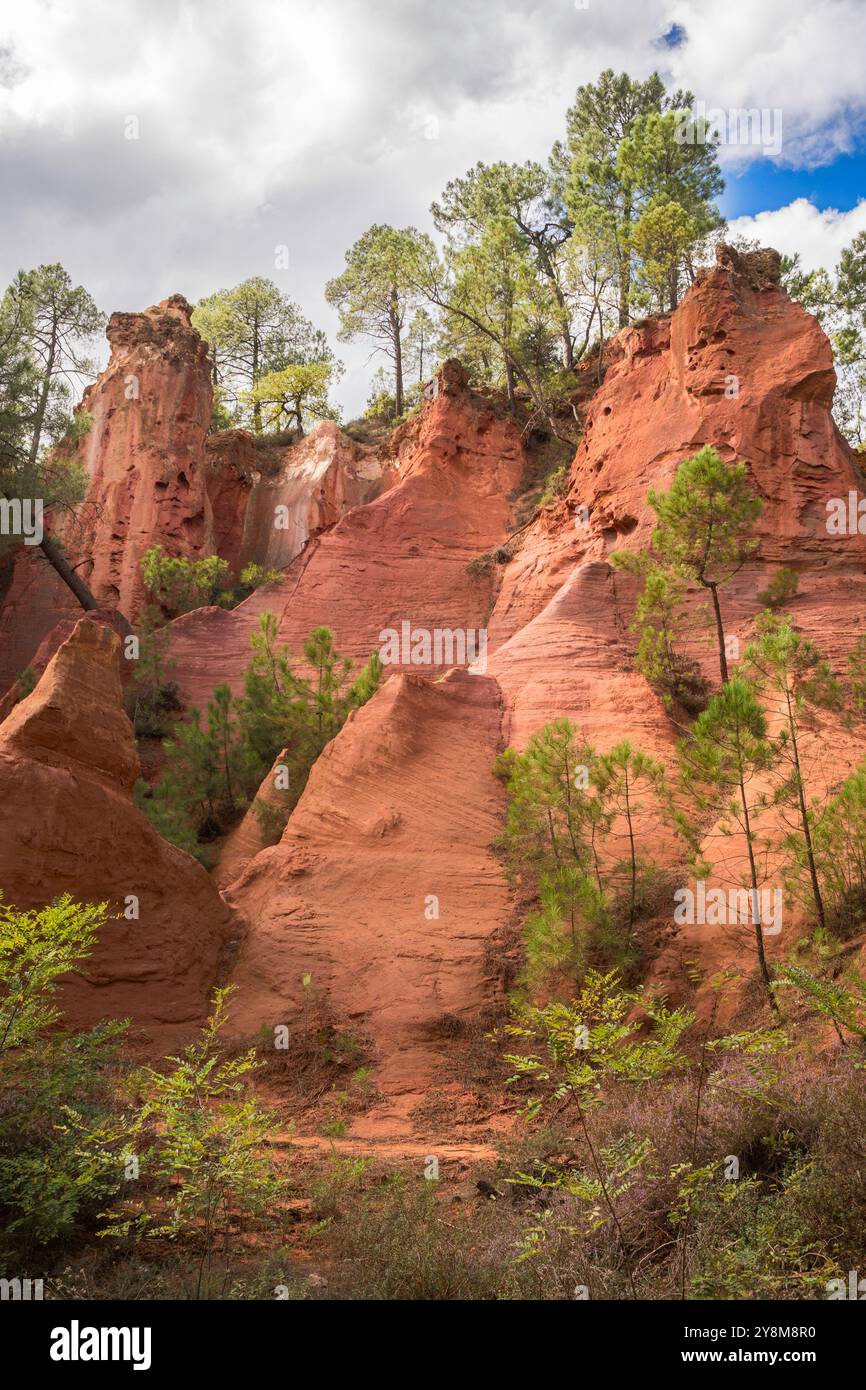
(403,557)
(68,825)
(158,477)
(384,889)
(560,646)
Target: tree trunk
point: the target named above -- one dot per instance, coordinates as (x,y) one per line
(55,557)
(257,405)
(398,353)
(756,908)
(633,854)
(625,271)
(804,818)
(624,297)
(509,385)
(673,287)
(44,392)
(720,631)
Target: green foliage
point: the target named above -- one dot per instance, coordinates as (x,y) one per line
(294,396)
(843,1002)
(661,622)
(631,186)
(782,587)
(253,576)
(26,682)
(789,667)
(45,325)
(838,834)
(672,180)
(151,698)
(555,485)
(59,1158)
(272,818)
(705,522)
(591,1043)
(541,265)
(595,1039)
(705,526)
(36,949)
(215,766)
(378,294)
(177,584)
(725,754)
(704,535)
(662,238)
(209,772)
(503,286)
(571,836)
(201,1142)
(257,334)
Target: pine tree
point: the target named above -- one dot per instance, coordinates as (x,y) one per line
(705,527)
(661,622)
(378,292)
(726,750)
(785,663)
(621,778)
(839,844)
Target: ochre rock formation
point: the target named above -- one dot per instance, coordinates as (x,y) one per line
(305,488)
(158,477)
(384,888)
(743,368)
(250,836)
(404,557)
(68,825)
(738,366)
(402,808)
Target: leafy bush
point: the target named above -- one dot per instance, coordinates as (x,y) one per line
(27,681)
(569,811)
(781,588)
(61,1154)
(177,584)
(215,766)
(200,1141)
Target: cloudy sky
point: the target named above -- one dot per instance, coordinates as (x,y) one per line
(297,123)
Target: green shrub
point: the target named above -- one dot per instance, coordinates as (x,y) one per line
(61,1149)
(781,588)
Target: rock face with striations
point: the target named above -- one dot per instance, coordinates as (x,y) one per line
(383,887)
(158,477)
(144,456)
(743,368)
(738,366)
(68,825)
(406,556)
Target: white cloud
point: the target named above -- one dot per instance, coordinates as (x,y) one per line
(818,236)
(804,57)
(300,122)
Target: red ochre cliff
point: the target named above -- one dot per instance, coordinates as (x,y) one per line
(384,890)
